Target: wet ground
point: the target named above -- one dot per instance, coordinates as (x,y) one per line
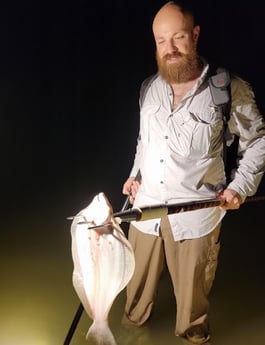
(38,302)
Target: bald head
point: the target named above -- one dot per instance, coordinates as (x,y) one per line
(171,14)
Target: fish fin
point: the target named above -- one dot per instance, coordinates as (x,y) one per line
(100,333)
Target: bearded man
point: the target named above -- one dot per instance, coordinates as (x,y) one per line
(180,156)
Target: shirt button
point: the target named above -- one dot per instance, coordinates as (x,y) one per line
(161,182)
(166,137)
(161,160)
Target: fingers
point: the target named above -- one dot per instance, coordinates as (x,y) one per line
(131,198)
(133,190)
(130,188)
(127,186)
(234,204)
(232,200)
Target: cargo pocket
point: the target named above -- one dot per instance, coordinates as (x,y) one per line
(211,266)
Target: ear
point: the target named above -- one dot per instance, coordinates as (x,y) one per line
(196,33)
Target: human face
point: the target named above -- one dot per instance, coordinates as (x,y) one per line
(176,41)
(174,33)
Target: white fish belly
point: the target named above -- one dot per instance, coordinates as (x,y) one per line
(103,261)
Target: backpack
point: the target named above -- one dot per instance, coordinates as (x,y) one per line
(219,83)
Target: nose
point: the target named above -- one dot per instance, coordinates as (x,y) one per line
(171,47)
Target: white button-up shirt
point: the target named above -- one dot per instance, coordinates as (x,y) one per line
(179,153)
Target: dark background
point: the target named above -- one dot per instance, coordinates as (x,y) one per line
(70,73)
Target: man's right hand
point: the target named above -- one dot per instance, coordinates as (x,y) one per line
(130,188)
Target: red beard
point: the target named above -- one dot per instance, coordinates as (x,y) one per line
(180,72)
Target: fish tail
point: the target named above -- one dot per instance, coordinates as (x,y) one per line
(100,333)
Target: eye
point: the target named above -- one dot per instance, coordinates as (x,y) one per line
(179,37)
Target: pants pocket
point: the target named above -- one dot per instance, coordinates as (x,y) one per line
(211,266)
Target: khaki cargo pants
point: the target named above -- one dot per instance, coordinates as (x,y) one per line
(191,264)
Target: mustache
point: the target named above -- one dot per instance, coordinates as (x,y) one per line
(172,55)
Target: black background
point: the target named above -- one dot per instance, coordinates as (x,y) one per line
(70,77)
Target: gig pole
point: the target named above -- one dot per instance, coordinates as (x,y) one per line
(74,324)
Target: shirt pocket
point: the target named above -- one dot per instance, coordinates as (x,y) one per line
(199,135)
(147,125)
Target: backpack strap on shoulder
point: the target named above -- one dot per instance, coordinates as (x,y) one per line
(221,91)
(220,87)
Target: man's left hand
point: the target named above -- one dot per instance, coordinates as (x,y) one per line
(232,199)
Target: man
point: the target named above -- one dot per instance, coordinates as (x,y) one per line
(180,157)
